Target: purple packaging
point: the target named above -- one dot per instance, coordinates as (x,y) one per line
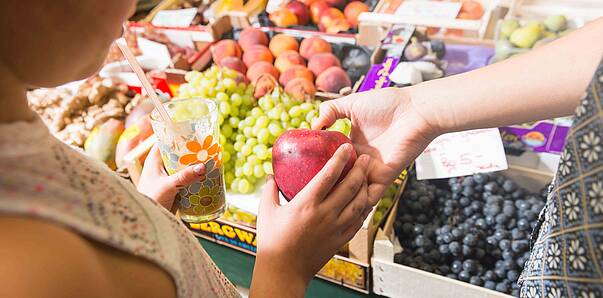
(542,136)
(378,75)
(463,58)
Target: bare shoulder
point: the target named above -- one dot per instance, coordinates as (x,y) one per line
(42,259)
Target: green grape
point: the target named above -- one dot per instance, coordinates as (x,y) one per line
(238,145)
(220,119)
(262,121)
(240,138)
(225,156)
(263,135)
(258,171)
(222,140)
(244,186)
(226,130)
(225,108)
(304,125)
(234,185)
(247,169)
(267,167)
(250,121)
(295,122)
(229,147)
(253,160)
(239,172)
(236,99)
(256,112)
(251,142)
(229,84)
(248,131)
(222,97)
(275,129)
(246,149)
(285,116)
(295,111)
(306,107)
(255,130)
(229,177)
(311,115)
(234,112)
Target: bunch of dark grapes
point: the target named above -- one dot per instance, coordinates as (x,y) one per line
(474,229)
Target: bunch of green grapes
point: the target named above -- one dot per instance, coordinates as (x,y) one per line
(276,113)
(385,203)
(234,101)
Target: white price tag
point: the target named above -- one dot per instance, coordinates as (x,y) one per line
(175,18)
(275,4)
(155,50)
(429,9)
(462,153)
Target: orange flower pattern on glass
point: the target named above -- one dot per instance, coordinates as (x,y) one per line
(201,152)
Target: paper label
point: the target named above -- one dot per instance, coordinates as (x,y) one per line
(429,9)
(180,38)
(461,154)
(155,50)
(274,5)
(175,18)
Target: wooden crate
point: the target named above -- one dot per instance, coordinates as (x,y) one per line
(395,280)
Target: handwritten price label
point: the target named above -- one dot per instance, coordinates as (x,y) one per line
(462,153)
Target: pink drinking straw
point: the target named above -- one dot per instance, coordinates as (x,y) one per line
(163,114)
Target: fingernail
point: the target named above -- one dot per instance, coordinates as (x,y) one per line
(199,169)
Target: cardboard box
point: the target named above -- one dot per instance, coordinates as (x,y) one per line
(395,280)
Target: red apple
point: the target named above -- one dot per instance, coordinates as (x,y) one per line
(299,154)
(301,11)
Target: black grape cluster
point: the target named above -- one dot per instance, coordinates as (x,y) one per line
(474,229)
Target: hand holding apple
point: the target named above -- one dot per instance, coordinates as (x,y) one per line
(295,240)
(386,125)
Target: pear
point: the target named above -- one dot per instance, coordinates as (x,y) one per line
(556,23)
(526,36)
(505,49)
(507,27)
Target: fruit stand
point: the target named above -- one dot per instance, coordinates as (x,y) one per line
(267,66)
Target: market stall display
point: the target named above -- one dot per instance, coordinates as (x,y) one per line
(267,72)
(330,16)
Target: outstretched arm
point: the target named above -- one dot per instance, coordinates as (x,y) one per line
(541,84)
(394,125)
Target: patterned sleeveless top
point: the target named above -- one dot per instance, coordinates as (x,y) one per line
(44,178)
(567,249)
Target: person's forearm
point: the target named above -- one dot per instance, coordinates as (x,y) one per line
(272,279)
(544,83)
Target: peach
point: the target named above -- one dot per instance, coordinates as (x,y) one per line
(283,17)
(252,36)
(265,83)
(314,45)
(225,48)
(256,53)
(287,59)
(321,61)
(353,10)
(259,68)
(333,21)
(333,79)
(301,11)
(233,63)
(301,88)
(295,72)
(316,10)
(281,43)
(308,3)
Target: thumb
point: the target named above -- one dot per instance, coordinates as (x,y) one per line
(188,175)
(332,110)
(153,163)
(270,198)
